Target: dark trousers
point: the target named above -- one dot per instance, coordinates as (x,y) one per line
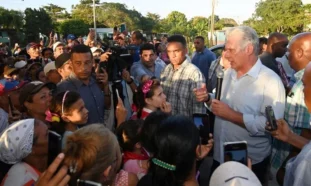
(260,169)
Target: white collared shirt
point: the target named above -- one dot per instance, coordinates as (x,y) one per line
(249,95)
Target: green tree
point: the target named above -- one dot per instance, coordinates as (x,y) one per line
(76,27)
(11,19)
(175,23)
(56,12)
(286,16)
(36,21)
(84,11)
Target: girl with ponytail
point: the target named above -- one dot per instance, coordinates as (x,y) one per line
(149,98)
(67,111)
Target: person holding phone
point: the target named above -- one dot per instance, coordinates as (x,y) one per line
(177,144)
(93,90)
(24,144)
(149,98)
(240,112)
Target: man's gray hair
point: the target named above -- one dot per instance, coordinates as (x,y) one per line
(249,35)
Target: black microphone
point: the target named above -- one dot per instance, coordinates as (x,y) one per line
(220,77)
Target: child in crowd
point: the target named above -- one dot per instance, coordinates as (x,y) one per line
(66,112)
(150,98)
(135,158)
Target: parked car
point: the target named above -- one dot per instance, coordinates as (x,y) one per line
(217,49)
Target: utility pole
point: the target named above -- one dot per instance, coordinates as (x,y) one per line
(212,22)
(94,16)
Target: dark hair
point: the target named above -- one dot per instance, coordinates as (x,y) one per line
(38,73)
(138,35)
(56,108)
(200,37)
(263,40)
(156,46)
(147,46)
(46,49)
(131,129)
(176,141)
(80,49)
(140,96)
(144,39)
(150,127)
(177,38)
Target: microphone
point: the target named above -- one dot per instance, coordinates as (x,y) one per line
(220,77)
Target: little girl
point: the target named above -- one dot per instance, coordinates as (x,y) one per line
(66,112)
(135,158)
(150,98)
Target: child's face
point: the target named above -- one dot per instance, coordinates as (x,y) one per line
(79,114)
(158,98)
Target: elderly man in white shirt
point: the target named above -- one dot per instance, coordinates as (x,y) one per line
(248,87)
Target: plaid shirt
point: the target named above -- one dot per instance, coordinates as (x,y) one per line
(297,116)
(178,85)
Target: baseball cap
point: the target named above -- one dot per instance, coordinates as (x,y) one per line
(94,49)
(8,70)
(20,64)
(9,85)
(48,67)
(33,88)
(61,60)
(57,44)
(71,36)
(233,173)
(31,45)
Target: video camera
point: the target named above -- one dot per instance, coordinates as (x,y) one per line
(119,60)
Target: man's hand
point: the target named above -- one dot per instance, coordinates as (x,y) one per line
(282,132)
(126,76)
(201,94)
(102,77)
(221,109)
(105,56)
(15,116)
(121,112)
(166,108)
(145,78)
(61,178)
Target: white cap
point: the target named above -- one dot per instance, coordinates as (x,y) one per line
(234,173)
(20,64)
(48,67)
(57,44)
(94,49)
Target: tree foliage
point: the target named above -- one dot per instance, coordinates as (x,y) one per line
(11,19)
(286,16)
(56,12)
(76,27)
(36,21)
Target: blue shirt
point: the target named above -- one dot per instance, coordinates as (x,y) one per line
(136,55)
(298,169)
(91,94)
(203,60)
(139,69)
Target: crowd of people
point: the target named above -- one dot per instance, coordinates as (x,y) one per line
(122,115)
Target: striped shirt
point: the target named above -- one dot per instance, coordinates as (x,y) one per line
(178,85)
(296,115)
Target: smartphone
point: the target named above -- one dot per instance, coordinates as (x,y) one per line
(103,65)
(11,104)
(87,183)
(235,151)
(54,145)
(201,121)
(271,118)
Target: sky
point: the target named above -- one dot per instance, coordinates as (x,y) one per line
(239,10)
